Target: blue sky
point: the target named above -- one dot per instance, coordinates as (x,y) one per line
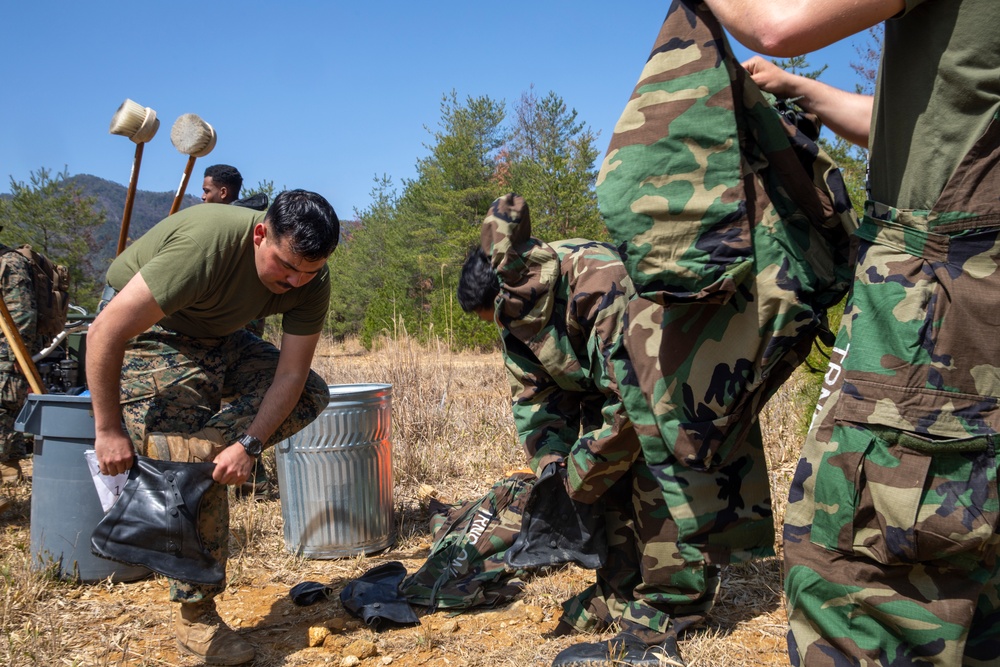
(319,95)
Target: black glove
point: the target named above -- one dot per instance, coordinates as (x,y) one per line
(375,597)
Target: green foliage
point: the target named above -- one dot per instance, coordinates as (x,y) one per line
(799,65)
(551,162)
(364,261)
(262,187)
(389,313)
(398,267)
(54,216)
(454,186)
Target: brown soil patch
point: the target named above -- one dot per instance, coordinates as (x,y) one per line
(452,429)
(130,623)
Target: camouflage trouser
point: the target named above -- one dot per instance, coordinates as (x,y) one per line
(891,544)
(734,226)
(13,392)
(173,383)
(669,530)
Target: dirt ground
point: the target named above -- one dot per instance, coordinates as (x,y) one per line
(451,427)
(108,623)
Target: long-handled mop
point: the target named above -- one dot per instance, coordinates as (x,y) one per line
(195,138)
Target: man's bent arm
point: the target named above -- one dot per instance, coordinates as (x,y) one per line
(130,313)
(233,465)
(294,363)
(786,28)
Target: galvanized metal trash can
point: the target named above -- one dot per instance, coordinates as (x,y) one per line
(65,507)
(335,476)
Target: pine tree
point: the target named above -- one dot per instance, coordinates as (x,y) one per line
(59,222)
(550,161)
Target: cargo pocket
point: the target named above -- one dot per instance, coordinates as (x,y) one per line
(899,498)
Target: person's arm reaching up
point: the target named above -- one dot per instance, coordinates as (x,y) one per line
(847,114)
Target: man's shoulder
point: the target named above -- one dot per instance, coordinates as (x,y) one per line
(205,222)
(207,213)
(19,256)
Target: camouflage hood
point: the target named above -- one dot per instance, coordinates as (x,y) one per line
(526,267)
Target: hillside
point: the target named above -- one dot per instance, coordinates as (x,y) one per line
(147,209)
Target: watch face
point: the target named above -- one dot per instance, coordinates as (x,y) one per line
(252,445)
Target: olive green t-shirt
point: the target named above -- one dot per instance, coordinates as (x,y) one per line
(199,265)
(939,88)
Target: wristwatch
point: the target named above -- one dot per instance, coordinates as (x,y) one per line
(252,445)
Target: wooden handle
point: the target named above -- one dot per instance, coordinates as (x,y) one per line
(129,198)
(20,351)
(183,186)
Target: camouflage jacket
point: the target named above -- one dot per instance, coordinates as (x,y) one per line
(735,227)
(560,310)
(18,291)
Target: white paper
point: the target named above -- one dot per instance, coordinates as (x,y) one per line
(109,487)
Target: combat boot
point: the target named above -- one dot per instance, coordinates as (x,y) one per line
(11,471)
(623,649)
(202,633)
(198,447)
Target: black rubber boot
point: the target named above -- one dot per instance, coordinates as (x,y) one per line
(623,649)
(154,523)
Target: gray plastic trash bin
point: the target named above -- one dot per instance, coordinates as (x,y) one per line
(65,506)
(335,476)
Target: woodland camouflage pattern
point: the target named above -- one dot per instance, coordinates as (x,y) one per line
(735,229)
(465,567)
(172,383)
(891,532)
(562,308)
(18,290)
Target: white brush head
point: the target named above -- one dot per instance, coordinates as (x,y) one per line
(134,121)
(208,146)
(190,135)
(150,124)
(128,119)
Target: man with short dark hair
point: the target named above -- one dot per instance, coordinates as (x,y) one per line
(171,346)
(221,185)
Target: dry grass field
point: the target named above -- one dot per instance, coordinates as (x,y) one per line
(451,429)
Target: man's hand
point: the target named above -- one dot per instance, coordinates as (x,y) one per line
(772,79)
(233,465)
(114,453)
(847,114)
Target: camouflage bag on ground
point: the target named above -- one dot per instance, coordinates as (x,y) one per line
(465,567)
(51,283)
